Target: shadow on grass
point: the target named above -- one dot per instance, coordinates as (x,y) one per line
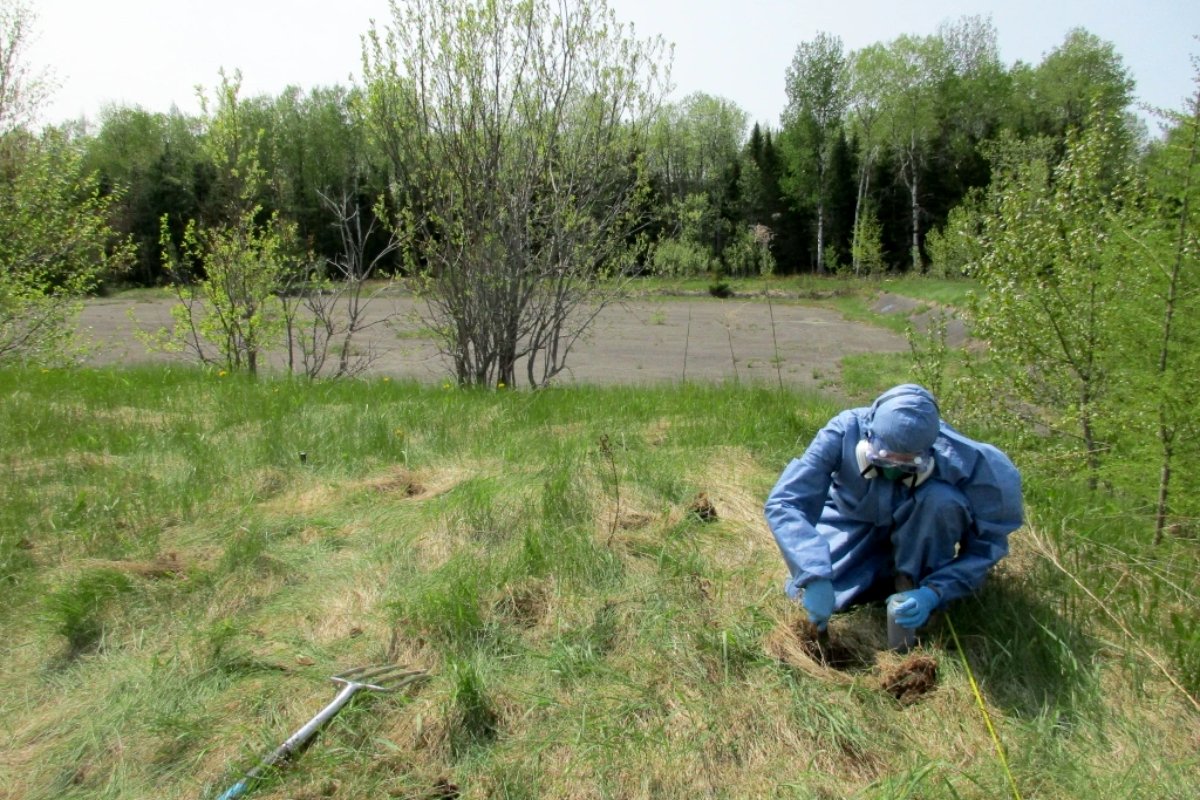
(1027,658)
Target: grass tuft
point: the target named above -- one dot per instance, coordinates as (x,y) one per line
(78,611)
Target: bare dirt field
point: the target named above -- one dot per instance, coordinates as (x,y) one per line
(640,341)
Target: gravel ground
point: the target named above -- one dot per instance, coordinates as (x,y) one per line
(640,341)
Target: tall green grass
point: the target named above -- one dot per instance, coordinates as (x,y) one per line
(179,583)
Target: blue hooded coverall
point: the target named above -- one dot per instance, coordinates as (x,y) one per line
(945,532)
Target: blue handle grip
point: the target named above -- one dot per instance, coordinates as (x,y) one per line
(235,791)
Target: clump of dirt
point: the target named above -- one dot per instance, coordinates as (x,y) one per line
(911,679)
(703,508)
(657,432)
(270,482)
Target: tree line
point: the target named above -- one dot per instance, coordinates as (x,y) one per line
(874,148)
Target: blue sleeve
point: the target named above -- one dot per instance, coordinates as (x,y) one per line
(794,505)
(993,491)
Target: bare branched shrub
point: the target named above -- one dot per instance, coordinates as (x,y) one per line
(331,312)
(522,124)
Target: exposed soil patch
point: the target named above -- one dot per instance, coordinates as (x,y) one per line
(703,508)
(327,788)
(165,566)
(399,483)
(911,679)
(524,604)
(832,651)
(798,644)
(633,520)
(420,485)
(444,790)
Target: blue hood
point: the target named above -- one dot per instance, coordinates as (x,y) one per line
(905,419)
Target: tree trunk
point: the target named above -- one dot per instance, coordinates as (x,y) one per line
(1164,484)
(1092,456)
(916,217)
(855,255)
(820,234)
(864,182)
(1166,432)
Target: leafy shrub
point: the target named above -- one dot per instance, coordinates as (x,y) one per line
(749,255)
(956,246)
(680,258)
(54,248)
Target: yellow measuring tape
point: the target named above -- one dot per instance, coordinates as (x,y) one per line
(987,718)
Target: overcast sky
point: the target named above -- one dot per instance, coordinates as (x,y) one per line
(152,53)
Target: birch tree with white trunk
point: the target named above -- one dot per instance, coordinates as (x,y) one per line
(817,96)
(912,73)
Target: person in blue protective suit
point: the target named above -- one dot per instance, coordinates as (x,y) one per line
(890,500)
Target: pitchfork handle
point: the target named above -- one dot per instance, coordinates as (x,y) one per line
(293,743)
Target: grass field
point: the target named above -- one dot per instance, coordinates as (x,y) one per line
(585,575)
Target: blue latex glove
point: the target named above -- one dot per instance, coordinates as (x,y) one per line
(912,609)
(818,601)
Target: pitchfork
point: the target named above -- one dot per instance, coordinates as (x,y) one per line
(386,678)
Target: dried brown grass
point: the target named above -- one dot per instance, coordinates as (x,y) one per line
(393,483)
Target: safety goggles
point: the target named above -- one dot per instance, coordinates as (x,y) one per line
(879,456)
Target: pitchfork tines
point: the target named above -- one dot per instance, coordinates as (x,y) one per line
(382,678)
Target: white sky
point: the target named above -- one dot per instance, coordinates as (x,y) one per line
(153,53)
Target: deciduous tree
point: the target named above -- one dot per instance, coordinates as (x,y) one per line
(1053,286)
(24,87)
(912,72)
(817,92)
(1083,75)
(55,243)
(865,85)
(1162,377)
(516,130)
(229,270)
